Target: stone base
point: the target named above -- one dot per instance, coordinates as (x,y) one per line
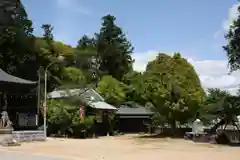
(27,136)
(10,142)
(6,138)
(201,138)
(6,131)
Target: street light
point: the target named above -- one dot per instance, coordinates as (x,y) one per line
(58,59)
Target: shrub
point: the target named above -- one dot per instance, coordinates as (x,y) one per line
(64,120)
(82,128)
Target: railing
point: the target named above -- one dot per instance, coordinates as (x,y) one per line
(23,136)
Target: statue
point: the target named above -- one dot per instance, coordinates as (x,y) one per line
(5,122)
(197,127)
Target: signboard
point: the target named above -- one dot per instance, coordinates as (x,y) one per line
(26,119)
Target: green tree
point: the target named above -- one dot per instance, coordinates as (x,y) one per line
(225,110)
(215,94)
(113,48)
(111,89)
(85,58)
(232,48)
(49,38)
(211,104)
(59,116)
(132,77)
(16,41)
(86,43)
(63,49)
(64,120)
(134,87)
(48,52)
(173,87)
(73,75)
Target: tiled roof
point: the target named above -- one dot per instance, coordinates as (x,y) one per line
(4,77)
(87,95)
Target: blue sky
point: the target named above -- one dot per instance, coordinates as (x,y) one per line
(193,28)
(168,25)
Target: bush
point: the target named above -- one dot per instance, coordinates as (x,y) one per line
(82,128)
(59,117)
(64,120)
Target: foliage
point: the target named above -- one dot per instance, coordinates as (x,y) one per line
(59,117)
(220,108)
(63,119)
(214,95)
(170,86)
(173,88)
(16,42)
(212,103)
(73,76)
(226,108)
(86,61)
(48,51)
(113,48)
(134,87)
(80,128)
(132,77)
(233,47)
(111,90)
(86,43)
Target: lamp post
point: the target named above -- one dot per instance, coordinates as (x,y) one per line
(59,59)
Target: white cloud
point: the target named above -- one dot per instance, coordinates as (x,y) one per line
(231,16)
(212,73)
(141,60)
(73,6)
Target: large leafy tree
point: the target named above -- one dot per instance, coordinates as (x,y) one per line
(71,75)
(85,58)
(226,111)
(113,48)
(212,103)
(86,43)
(112,90)
(173,87)
(215,94)
(16,41)
(48,51)
(233,46)
(49,38)
(220,108)
(134,87)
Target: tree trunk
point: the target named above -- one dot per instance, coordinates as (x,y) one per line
(216,126)
(173,125)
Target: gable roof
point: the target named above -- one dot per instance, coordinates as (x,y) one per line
(87,94)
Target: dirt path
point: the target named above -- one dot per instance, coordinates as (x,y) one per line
(127,148)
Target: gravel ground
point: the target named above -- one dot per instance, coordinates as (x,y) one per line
(6,155)
(127,147)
